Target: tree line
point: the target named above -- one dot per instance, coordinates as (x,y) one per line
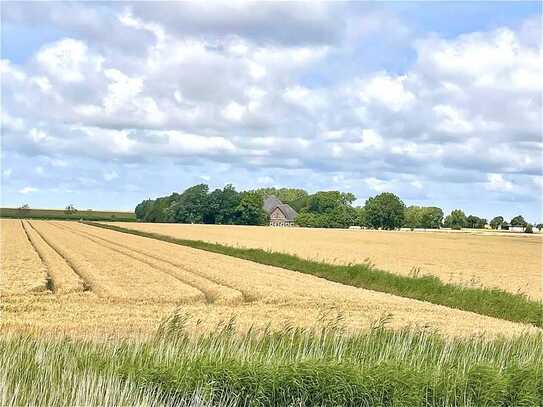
(325,209)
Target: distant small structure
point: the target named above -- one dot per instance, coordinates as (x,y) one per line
(280,214)
(517,229)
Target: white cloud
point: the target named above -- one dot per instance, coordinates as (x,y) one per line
(110,175)
(371,139)
(233,111)
(27,190)
(376,184)
(121,91)
(389,91)
(451,120)
(266,180)
(38,135)
(492,59)
(10,122)
(256,71)
(458,109)
(417,184)
(8,70)
(67,60)
(496,182)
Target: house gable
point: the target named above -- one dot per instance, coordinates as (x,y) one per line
(277,213)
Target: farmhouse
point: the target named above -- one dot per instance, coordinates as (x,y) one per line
(280,214)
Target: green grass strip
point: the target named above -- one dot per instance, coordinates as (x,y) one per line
(485,301)
(290,367)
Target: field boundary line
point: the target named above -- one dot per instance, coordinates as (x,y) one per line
(140,256)
(491,302)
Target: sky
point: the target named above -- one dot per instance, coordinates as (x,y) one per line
(107,104)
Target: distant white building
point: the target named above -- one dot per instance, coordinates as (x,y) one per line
(518,229)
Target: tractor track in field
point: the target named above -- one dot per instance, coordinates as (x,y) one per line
(63,278)
(84,272)
(230,295)
(49,283)
(48,280)
(211,295)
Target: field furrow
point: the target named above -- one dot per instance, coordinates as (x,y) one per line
(22,269)
(214,292)
(113,275)
(64,278)
(257,282)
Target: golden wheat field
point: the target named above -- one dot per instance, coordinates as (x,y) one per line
(66,277)
(510,262)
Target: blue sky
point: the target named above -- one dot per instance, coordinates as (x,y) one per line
(106,104)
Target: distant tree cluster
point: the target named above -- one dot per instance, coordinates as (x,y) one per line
(197,205)
(328,209)
(423,217)
(323,209)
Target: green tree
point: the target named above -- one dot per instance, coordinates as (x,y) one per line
(249,210)
(456,220)
(423,217)
(474,222)
(307,219)
(143,208)
(518,221)
(385,211)
(431,217)
(222,206)
(361,217)
(413,217)
(496,222)
(342,217)
(325,201)
(191,205)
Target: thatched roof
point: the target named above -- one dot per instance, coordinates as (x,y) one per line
(290,214)
(272,202)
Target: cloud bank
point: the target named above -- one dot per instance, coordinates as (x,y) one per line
(142,99)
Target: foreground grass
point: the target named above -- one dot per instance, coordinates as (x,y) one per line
(492,302)
(317,367)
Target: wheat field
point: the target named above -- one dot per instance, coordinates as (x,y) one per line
(511,263)
(76,279)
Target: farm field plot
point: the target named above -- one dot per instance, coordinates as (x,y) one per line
(104,282)
(61,214)
(512,263)
(22,269)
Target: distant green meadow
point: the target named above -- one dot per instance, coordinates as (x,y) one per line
(322,366)
(61,214)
